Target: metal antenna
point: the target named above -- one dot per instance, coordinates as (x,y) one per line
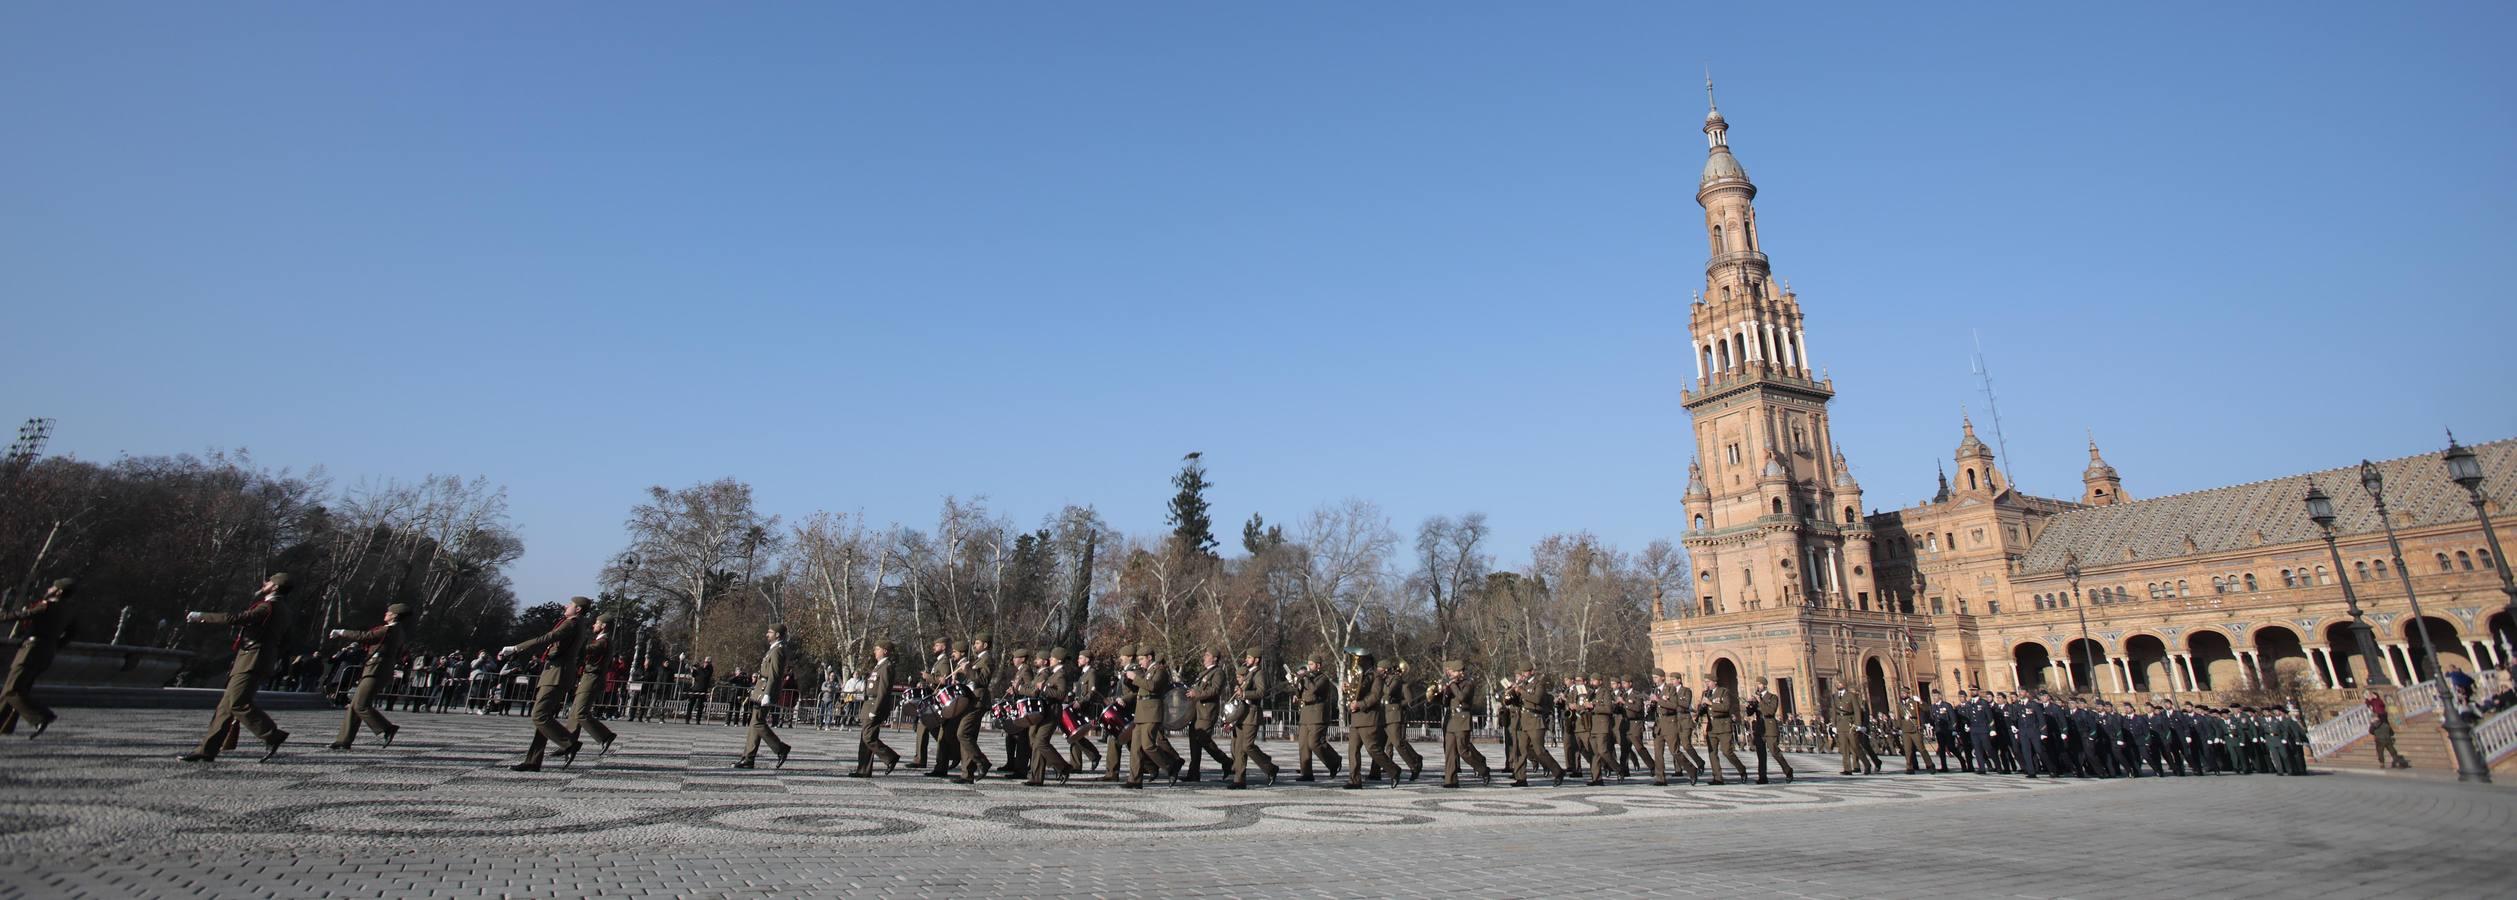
(31,438)
(1993,407)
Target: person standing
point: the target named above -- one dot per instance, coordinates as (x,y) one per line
(763,702)
(1151,742)
(703,679)
(383,643)
(1205,701)
(1364,736)
(1312,690)
(1720,708)
(1456,696)
(1251,690)
(594,663)
(1394,720)
(1635,715)
(1599,721)
(939,667)
(880,681)
(1051,685)
(254,629)
(1673,715)
(976,672)
(1014,684)
(1527,696)
(45,622)
(1909,729)
(1848,728)
(1946,734)
(1084,697)
(2381,731)
(560,649)
(1770,733)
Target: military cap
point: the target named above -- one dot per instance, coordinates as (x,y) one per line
(404,609)
(960,647)
(1660,673)
(66,586)
(1460,665)
(279,580)
(885,646)
(1020,654)
(581,602)
(1251,653)
(982,639)
(780,628)
(1058,654)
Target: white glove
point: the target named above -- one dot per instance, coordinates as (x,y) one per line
(506,651)
(338,633)
(192,617)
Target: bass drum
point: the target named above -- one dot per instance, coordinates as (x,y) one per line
(1029,712)
(1071,719)
(1231,713)
(952,701)
(1115,718)
(1176,707)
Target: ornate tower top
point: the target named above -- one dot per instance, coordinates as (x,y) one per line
(1719,166)
(2100,486)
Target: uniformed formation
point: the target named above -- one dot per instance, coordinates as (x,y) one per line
(1611,726)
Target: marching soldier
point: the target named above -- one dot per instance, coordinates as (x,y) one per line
(254,630)
(384,644)
(1251,690)
(976,672)
(1084,693)
(560,649)
(773,666)
(1527,695)
(1572,703)
(1152,741)
(594,663)
(1673,713)
(46,620)
(1770,733)
(1052,682)
(1599,716)
(1909,729)
(1363,724)
(1120,692)
(1634,712)
(939,661)
(880,698)
(1849,730)
(1312,690)
(1394,719)
(1014,684)
(1457,697)
(1945,734)
(1721,716)
(1206,698)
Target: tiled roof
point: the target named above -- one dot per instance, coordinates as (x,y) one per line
(2230,518)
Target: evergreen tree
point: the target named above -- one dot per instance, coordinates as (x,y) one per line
(1258,537)
(1190,521)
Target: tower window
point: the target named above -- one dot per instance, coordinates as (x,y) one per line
(2250,582)
(1970,479)
(2360,570)
(2483,557)
(1848,515)
(1778,506)
(2444,565)
(2463,561)
(1734,454)
(2380,568)
(2288,580)
(1719,245)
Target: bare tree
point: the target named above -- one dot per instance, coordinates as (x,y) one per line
(683,543)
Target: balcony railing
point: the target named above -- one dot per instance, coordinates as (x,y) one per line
(1719,260)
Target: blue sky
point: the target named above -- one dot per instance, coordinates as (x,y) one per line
(1435,255)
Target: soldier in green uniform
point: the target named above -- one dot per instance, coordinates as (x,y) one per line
(384,646)
(1848,727)
(1527,695)
(254,628)
(1051,684)
(1909,729)
(561,648)
(1456,697)
(763,700)
(46,620)
(1206,699)
(1769,735)
(1085,692)
(1635,715)
(1721,722)
(939,662)
(1312,690)
(880,679)
(1013,684)
(593,664)
(1394,719)
(1251,690)
(1152,741)
(1120,692)
(1572,706)
(1673,720)
(977,672)
(1599,717)
(1363,724)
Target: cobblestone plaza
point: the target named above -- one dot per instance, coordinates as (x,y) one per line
(99,807)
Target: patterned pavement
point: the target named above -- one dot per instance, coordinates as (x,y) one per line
(99,807)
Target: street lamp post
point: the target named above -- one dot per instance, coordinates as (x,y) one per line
(2464,470)
(2469,765)
(2071,570)
(2320,509)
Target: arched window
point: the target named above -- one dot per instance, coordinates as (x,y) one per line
(2183,589)
(2154,590)
(1970,479)
(2359,570)
(2381,569)
(1848,515)
(1778,506)
(2444,565)
(2322,577)
(1725,293)
(2250,582)
(1699,523)
(2483,557)
(2464,561)
(2288,580)
(1719,245)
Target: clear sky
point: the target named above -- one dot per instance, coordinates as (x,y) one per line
(1435,254)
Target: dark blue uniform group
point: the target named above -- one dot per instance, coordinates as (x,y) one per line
(2040,735)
